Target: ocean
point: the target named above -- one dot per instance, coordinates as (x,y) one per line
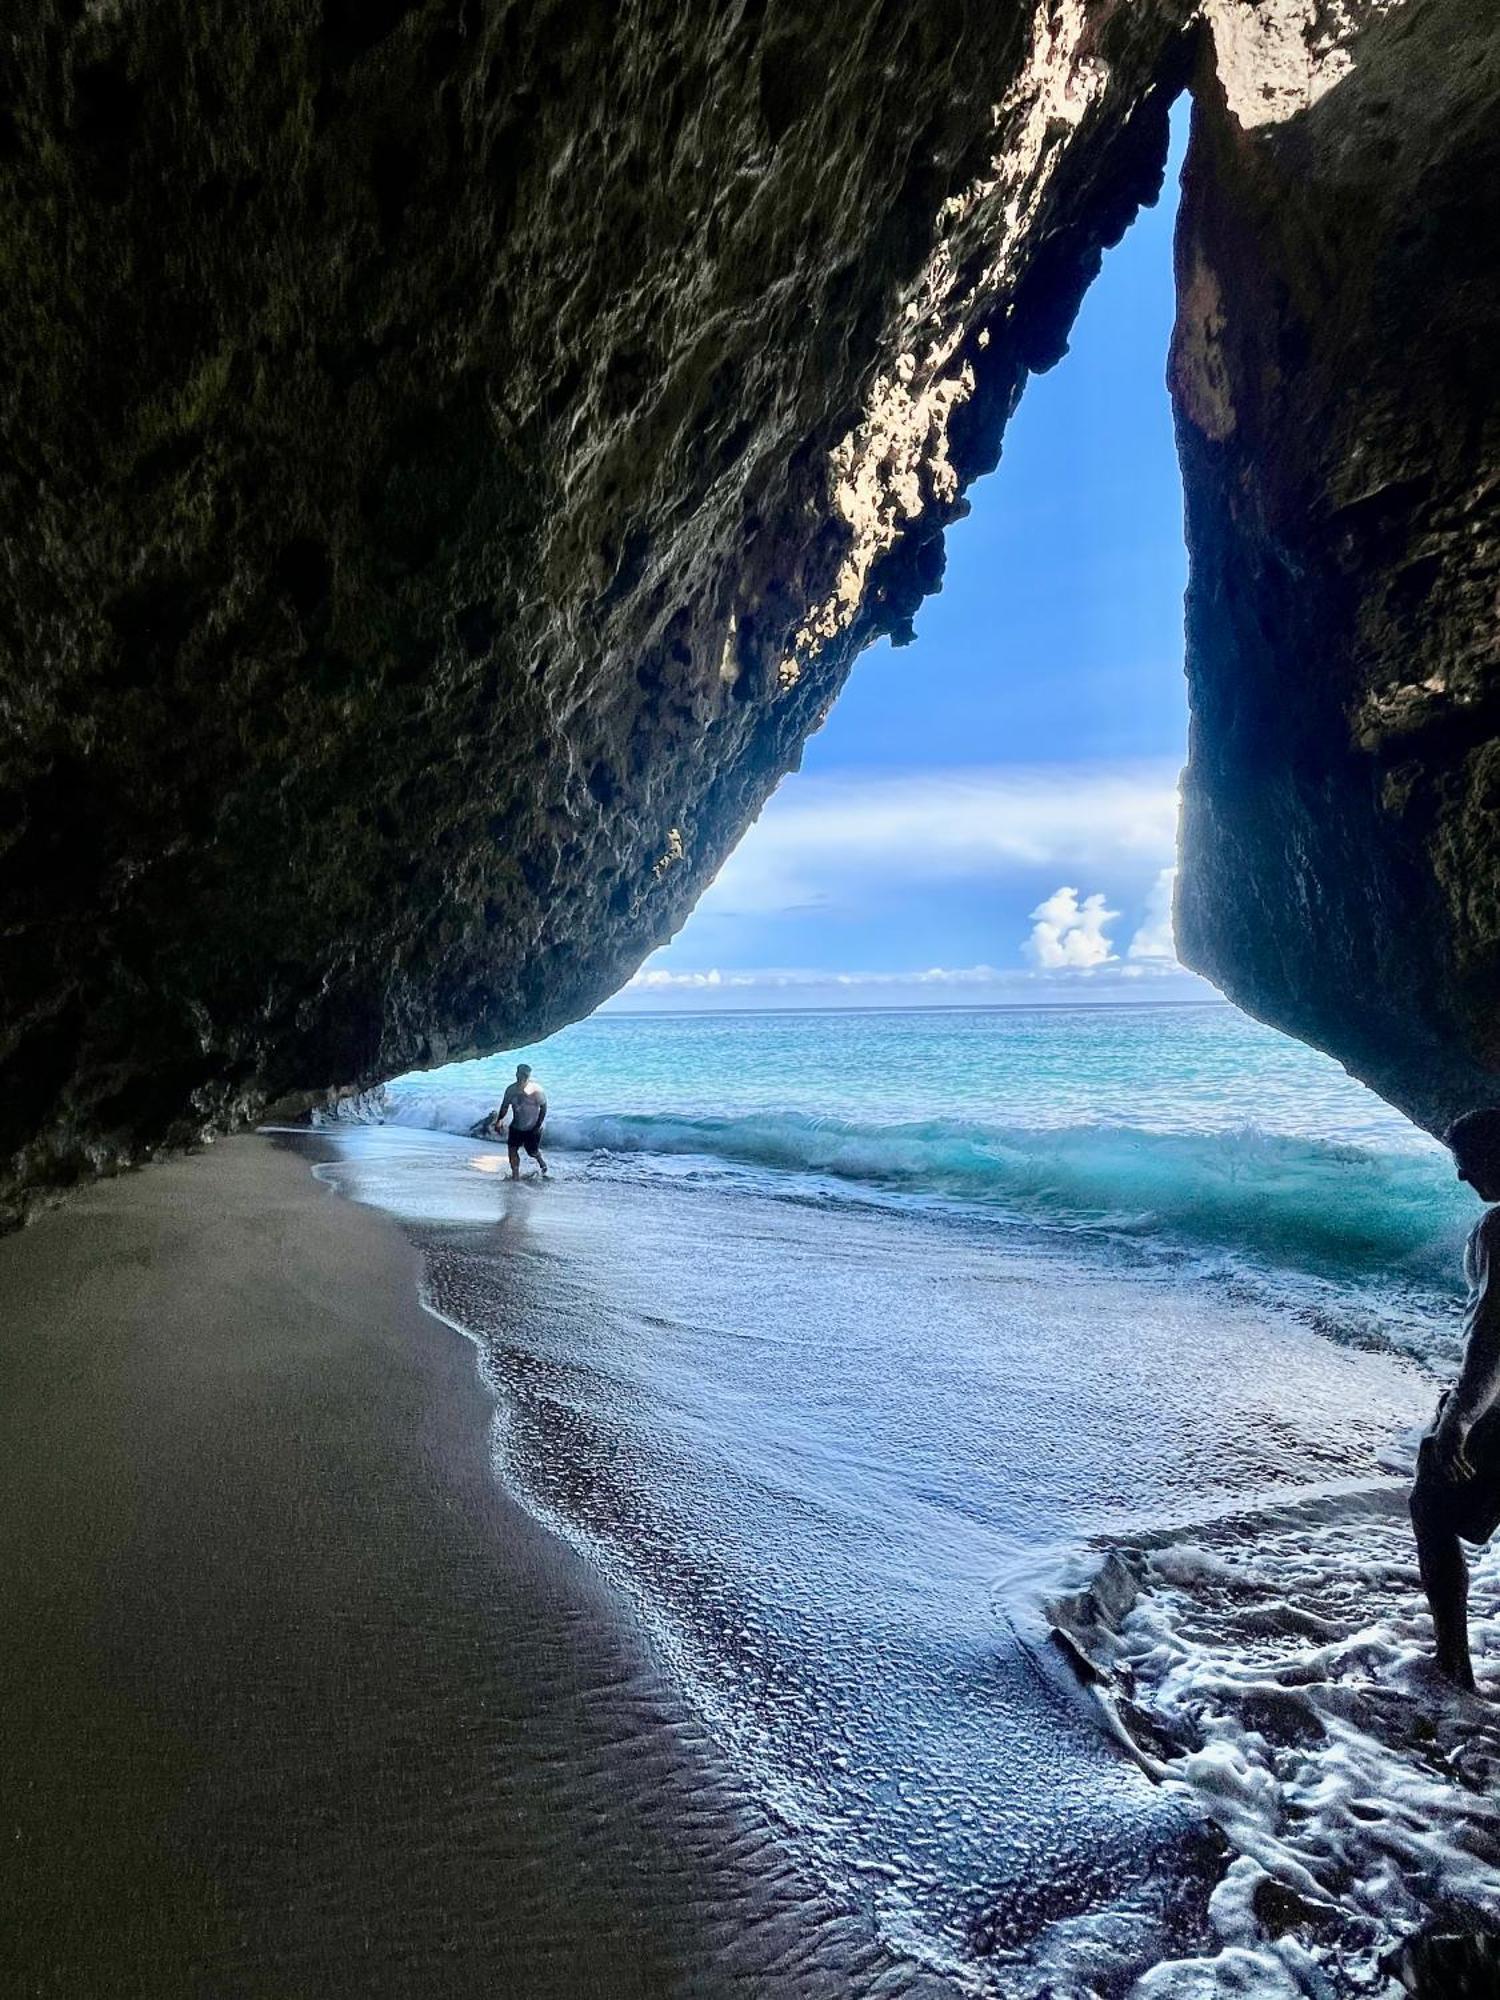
(851,1345)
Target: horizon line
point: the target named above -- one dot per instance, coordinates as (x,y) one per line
(928,1007)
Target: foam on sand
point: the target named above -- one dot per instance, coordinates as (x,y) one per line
(1276,1668)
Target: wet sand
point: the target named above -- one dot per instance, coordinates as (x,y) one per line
(296,1702)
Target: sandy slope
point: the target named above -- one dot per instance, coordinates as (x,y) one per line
(296,1702)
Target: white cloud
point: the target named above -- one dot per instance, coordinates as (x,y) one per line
(658,979)
(1067,932)
(818,834)
(967,984)
(1154,939)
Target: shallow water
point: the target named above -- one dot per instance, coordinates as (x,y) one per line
(840,1447)
(1193,1131)
(848,1344)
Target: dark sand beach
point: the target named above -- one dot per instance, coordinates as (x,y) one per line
(296,1701)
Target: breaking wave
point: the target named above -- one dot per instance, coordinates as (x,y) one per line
(1327,1209)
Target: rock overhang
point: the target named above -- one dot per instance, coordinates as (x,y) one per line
(456,451)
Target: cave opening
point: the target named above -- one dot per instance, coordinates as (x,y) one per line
(986,824)
(934,1219)
(988,815)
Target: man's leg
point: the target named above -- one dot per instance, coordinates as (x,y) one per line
(536,1154)
(1445,1576)
(515,1160)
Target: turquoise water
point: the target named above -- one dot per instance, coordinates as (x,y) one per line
(842,1342)
(1188,1128)
(1171,1069)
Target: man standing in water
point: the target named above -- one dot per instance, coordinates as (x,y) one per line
(527,1104)
(1456,1496)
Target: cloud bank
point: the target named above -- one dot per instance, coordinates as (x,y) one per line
(818,836)
(937,985)
(878,848)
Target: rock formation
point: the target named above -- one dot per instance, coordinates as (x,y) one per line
(1336,370)
(454,450)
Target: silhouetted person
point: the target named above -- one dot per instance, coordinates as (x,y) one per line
(527,1104)
(1456,1496)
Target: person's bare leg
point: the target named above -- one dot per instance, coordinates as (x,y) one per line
(537,1156)
(1445,1578)
(515,1163)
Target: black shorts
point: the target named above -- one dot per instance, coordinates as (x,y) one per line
(530,1140)
(1469,1507)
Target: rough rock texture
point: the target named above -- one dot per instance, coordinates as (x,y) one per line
(1336,370)
(451,454)
(454,449)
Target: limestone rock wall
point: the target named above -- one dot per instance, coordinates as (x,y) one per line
(1336,370)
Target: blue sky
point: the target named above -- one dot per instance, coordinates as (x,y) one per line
(989,815)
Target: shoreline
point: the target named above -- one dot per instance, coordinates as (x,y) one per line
(650,1380)
(299,1699)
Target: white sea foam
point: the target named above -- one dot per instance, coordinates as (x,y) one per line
(1328,1214)
(1276,1669)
